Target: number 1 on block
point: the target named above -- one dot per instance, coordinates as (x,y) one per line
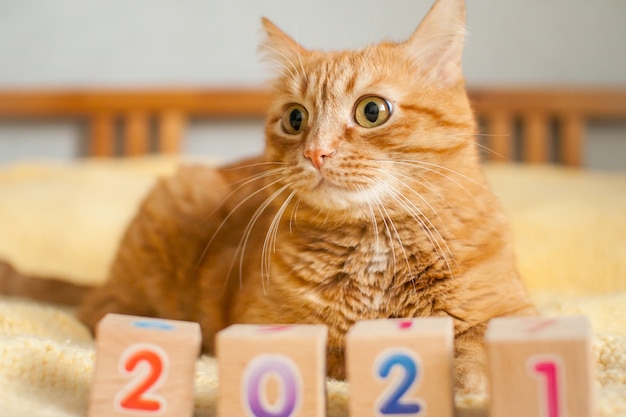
(548,370)
(530,360)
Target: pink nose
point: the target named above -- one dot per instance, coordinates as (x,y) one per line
(318,155)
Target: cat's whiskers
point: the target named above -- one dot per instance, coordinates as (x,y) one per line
(278,54)
(440,242)
(269,244)
(480,145)
(396,178)
(432,233)
(451,171)
(372,218)
(293,219)
(391,192)
(286,73)
(369,48)
(443,172)
(304,73)
(257,177)
(246,181)
(421,181)
(255,164)
(243,242)
(387,220)
(287,65)
(429,168)
(432,189)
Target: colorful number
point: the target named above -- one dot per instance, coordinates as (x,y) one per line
(148,365)
(254,383)
(392,401)
(548,368)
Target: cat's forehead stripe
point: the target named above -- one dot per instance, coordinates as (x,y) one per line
(327,90)
(441,118)
(304,85)
(334,78)
(351,83)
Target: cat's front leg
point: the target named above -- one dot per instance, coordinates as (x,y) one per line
(335,363)
(470,360)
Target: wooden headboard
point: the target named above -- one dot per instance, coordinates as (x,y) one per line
(531,125)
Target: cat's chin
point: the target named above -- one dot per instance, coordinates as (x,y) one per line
(329,197)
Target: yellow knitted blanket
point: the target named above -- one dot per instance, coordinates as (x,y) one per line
(65,220)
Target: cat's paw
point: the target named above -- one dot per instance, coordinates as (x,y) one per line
(470,377)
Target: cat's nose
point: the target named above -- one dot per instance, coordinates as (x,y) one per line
(319,155)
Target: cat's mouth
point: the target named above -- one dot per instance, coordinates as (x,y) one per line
(325,184)
(330,195)
(328,186)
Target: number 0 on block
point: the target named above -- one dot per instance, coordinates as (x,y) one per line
(272,371)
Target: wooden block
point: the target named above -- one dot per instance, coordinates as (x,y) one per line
(540,367)
(144,367)
(272,371)
(401,367)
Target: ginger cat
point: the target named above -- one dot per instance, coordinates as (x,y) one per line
(369,202)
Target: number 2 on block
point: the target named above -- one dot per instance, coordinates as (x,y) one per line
(393,401)
(148,366)
(548,368)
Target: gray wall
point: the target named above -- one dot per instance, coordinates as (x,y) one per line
(167,43)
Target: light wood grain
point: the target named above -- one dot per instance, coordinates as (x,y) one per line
(171,131)
(263,361)
(535,137)
(423,343)
(540,366)
(136,133)
(102,135)
(500,136)
(131,349)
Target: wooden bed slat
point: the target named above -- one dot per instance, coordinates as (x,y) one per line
(136,134)
(500,108)
(596,103)
(171,132)
(239,103)
(500,139)
(101,141)
(535,139)
(572,134)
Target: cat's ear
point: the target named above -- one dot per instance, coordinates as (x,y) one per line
(280,47)
(436,47)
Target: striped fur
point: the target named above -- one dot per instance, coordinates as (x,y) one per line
(339,222)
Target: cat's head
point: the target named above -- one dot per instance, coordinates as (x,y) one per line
(352,129)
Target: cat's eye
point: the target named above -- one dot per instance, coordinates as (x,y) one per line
(295,119)
(372,111)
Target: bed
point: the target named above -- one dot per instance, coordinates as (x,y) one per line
(64,219)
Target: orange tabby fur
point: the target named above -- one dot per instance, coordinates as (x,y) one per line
(345,222)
